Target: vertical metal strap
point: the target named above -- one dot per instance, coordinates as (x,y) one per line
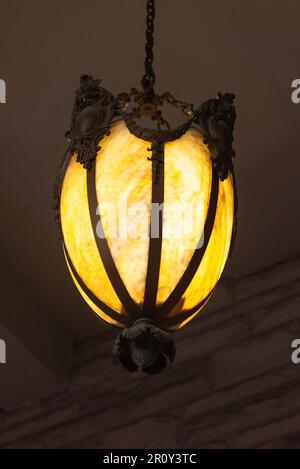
(130,307)
(155,230)
(173,321)
(197,257)
(118,317)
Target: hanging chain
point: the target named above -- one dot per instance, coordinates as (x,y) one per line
(148,101)
(148,79)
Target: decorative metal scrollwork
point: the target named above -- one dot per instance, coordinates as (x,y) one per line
(93,110)
(216,118)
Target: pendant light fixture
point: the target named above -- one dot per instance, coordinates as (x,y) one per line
(148,276)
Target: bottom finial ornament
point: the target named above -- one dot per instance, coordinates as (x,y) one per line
(144,347)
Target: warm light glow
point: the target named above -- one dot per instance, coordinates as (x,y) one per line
(124,179)
(124,185)
(215,256)
(79,238)
(188,173)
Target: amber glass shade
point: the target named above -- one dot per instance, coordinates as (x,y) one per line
(123,182)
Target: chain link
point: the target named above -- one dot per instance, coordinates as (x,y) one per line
(148,79)
(185,108)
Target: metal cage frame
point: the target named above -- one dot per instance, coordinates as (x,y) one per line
(95,110)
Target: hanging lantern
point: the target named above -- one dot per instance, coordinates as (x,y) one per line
(147,216)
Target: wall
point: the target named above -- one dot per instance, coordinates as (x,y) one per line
(232,385)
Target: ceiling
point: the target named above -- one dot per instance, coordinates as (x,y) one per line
(251,48)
